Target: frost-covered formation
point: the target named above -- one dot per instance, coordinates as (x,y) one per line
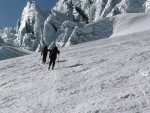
(8,34)
(29,28)
(73,21)
(97,13)
(95,9)
(8,51)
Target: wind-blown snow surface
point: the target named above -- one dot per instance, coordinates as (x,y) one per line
(104,76)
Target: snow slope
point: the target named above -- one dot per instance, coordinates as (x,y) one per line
(8,51)
(104,76)
(131,23)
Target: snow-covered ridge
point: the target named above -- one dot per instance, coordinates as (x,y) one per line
(75,21)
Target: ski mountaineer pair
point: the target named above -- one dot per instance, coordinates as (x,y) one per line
(52,56)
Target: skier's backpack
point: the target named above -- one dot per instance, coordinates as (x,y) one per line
(44,50)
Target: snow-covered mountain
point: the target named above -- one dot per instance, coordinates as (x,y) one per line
(111,75)
(105,76)
(74,21)
(30,27)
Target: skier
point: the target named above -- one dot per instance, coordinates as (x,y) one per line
(53,55)
(44,53)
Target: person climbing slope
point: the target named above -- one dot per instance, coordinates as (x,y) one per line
(53,56)
(44,53)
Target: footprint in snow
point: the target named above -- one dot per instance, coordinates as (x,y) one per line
(145,73)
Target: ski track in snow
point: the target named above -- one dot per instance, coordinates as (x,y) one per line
(104,76)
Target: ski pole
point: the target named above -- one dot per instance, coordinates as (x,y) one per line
(47,62)
(40,58)
(58,61)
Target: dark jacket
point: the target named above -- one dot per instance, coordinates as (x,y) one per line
(44,51)
(53,53)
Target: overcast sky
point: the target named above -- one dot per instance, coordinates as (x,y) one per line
(11,10)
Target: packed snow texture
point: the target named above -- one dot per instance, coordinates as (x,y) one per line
(69,20)
(104,76)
